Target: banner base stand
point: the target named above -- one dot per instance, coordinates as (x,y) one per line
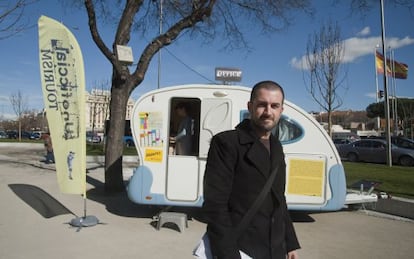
(87,221)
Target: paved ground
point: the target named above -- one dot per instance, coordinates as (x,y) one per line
(127,229)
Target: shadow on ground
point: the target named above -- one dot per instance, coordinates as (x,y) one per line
(39,200)
(119,204)
(301,217)
(115,203)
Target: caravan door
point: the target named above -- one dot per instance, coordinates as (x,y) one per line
(216,116)
(182,182)
(184,172)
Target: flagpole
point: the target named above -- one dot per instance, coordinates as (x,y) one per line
(390,63)
(387,100)
(394,85)
(376,85)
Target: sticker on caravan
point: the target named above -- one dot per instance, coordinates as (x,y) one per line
(153,155)
(306,177)
(150,125)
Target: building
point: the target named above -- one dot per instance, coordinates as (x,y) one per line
(97,109)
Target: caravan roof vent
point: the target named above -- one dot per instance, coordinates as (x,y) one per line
(220,93)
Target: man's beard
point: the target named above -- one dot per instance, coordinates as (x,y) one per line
(265,123)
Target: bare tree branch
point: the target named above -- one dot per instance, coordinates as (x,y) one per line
(19,104)
(11,17)
(325,52)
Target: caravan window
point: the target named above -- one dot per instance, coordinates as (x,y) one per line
(287,130)
(184,126)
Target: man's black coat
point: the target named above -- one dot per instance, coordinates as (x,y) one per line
(238,166)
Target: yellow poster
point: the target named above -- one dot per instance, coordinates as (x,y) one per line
(63,85)
(153,155)
(306,177)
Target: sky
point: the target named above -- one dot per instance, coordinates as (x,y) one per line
(274,57)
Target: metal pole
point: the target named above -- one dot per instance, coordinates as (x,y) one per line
(376,84)
(392,90)
(159,51)
(387,100)
(394,86)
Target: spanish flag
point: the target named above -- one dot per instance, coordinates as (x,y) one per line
(394,69)
(63,84)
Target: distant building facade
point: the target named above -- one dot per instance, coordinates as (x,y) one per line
(97,109)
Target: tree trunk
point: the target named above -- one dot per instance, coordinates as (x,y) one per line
(114,145)
(330,123)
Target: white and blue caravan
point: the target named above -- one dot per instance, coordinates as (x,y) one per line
(315,179)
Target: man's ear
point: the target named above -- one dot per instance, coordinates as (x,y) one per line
(249,106)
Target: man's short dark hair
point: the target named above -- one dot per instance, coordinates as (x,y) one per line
(269,85)
(182,105)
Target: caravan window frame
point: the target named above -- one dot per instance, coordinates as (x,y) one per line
(290,123)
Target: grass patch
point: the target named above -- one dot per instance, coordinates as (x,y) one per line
(24,140)
(98,150)
(395,180)
(91,149)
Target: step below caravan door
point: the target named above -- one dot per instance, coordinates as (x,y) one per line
(216,116)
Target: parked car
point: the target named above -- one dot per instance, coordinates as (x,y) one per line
(25,134)
(399,141)
(3,134)
(403,142)
(339,141)
(92,138)
(129,141)
(12,134)
(374,151)
(35,135)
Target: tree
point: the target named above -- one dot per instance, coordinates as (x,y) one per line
(11,17)
(324,55)
(19,104)
(405,111)
(375,110)
(33,120)
(200,17)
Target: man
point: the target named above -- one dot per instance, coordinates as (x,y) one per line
(238,165)
(184,137)
(50,158)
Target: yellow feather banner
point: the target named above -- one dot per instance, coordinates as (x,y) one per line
(63,85)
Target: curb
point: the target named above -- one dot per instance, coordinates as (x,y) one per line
(396,206)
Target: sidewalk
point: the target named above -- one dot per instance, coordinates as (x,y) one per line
(127,229)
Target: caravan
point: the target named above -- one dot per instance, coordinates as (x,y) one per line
(315,178)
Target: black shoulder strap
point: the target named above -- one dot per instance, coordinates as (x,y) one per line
(257,203)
